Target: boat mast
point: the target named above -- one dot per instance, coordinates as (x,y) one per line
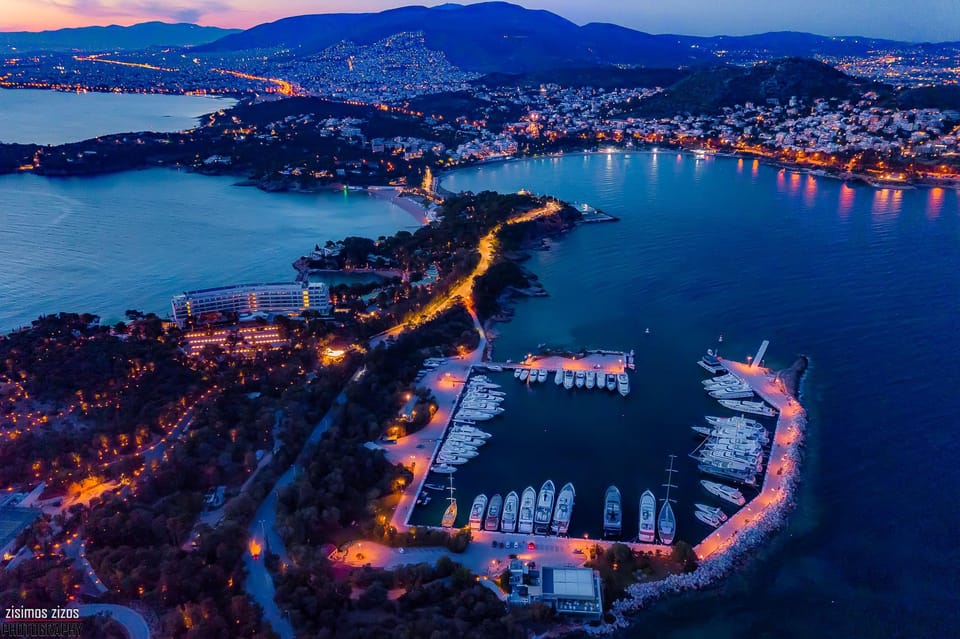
(669,485)
(451,498)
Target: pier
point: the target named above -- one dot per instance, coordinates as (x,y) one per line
(781,464)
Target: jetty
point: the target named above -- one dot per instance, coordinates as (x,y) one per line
(781,465)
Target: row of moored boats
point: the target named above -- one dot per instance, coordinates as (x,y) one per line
(481,401)
(530,512)
(569,378)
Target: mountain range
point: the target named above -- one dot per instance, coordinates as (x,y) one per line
(488,37)
(138,36)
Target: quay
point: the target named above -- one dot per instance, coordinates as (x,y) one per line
(781,464)
(591,215)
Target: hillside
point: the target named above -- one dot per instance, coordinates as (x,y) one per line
(138,36)
(598,77)
(709,90)
(487,37)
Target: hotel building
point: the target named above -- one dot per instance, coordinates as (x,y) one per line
(282,298)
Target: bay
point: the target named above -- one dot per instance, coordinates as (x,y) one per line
(863,281)
(35,116)
(132,240)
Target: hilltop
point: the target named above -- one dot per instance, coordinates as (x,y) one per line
(486,38)
(113,37)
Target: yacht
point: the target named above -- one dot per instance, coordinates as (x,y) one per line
(611,382)
(723,491)
(712,510)
(580,378)
(755,408)
(729,378)
(443,469)
(508,522)
(623,384)
(667,521)
(591,379)
(541,517)
(564,509)
(528,504)
(568,379)
(542,375)
(516,373)
(477,510)
(711,361)
(524,373)
(558,377)
(492,522)
(450,514)
(612,512)
(648,516)
(737,393)
(738,421)
(711,520)
(475,415)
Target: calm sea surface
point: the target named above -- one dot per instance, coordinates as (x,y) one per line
(866,282)
(132,240)
(34,116)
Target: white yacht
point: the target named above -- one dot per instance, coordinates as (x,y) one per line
(568,379)
(737,393)
(591,379)
(492,521)
(648,516)
(623,384)
(528,504)
(564,509)
(541,517)
(443,469)
(541,375)
(611,382)
(508,521)
(516,373)
(711,520)
(712,510)
(476,511)
(723,491)
(612,512)
(580,378)
(558,377)
(524,373)
(755,408)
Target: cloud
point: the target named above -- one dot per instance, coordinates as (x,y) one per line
(192,11)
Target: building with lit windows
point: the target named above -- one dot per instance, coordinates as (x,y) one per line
(283,298)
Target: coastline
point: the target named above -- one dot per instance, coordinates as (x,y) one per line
(395,196)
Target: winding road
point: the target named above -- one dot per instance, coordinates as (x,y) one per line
(131,620)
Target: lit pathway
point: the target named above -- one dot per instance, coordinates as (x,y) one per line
(780,466)
(131,620)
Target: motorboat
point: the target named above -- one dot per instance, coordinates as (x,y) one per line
(568,379)
(443,469)
(492,520)
(723,491)
(524,373)
(711,361)
(528,505)
(558,377)
(612,512)
(477,510)
(737,420)
(623,384)
(755,408)
(712,510)
(591,380)
(516,372)
(707,518)
(580,378)
(541,517)
(508,520)
(541,375)
(611,382)
(648,516)
(563,510)
(731,394)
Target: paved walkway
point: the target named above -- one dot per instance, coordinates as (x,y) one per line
(131,620)
(780,465)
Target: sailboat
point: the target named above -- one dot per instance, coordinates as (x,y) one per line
(667,522)
(450,514)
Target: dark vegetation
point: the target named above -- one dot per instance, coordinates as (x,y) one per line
(945,97)
(707,91)
(488,288)
(597,77)
(619,566)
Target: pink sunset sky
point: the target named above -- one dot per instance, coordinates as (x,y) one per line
(935,20)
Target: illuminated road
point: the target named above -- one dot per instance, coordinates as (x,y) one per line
(131,620)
